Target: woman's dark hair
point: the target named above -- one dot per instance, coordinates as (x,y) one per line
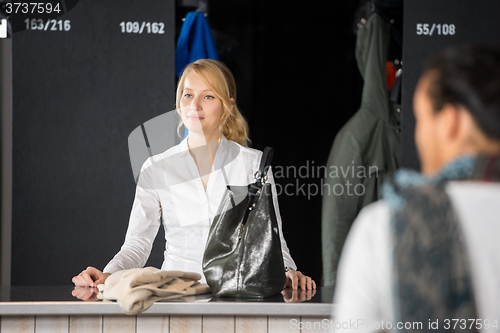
(469,76)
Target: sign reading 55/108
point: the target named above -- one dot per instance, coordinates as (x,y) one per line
(428,29)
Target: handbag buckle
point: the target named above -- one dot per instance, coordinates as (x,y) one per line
(262,179)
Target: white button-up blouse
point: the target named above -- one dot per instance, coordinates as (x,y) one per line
(170,188)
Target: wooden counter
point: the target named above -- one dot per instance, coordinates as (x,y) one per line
(53,309)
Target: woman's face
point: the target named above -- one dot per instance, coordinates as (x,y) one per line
(201,109)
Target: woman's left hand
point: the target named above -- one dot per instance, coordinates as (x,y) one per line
(296,279)
(297,296)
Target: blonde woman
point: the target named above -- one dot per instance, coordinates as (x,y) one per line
(183,186)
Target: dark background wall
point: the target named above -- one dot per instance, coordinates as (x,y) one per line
(77,95)
(466,22)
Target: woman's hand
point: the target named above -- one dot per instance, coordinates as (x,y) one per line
(85,293)
(297,296)
(90,277)
(296,279)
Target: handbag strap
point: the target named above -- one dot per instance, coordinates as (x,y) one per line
(254,190)
(265,164)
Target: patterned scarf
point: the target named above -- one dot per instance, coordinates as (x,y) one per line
(430,259)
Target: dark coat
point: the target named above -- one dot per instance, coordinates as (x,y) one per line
(365,151)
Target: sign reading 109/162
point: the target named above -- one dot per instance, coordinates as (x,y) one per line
(144,27)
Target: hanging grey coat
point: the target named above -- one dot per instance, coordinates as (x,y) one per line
(365,151)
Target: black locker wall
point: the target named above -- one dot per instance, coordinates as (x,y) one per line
(429,26)
(77,95)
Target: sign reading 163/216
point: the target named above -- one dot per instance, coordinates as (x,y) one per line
(144,27)
(48,25)
(428,29)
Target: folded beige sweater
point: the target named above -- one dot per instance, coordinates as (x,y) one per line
(137,289)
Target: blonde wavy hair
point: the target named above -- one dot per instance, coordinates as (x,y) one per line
(220,79)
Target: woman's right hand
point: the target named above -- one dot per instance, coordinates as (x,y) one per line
(85,293)
(90,277)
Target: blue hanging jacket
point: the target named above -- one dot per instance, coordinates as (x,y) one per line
(195,42)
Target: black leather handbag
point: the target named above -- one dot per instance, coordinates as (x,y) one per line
(243,255)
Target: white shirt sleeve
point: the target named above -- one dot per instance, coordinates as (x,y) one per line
(363,297)
(142,229)
(287,258)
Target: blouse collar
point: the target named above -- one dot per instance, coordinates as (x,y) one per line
(184,149)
